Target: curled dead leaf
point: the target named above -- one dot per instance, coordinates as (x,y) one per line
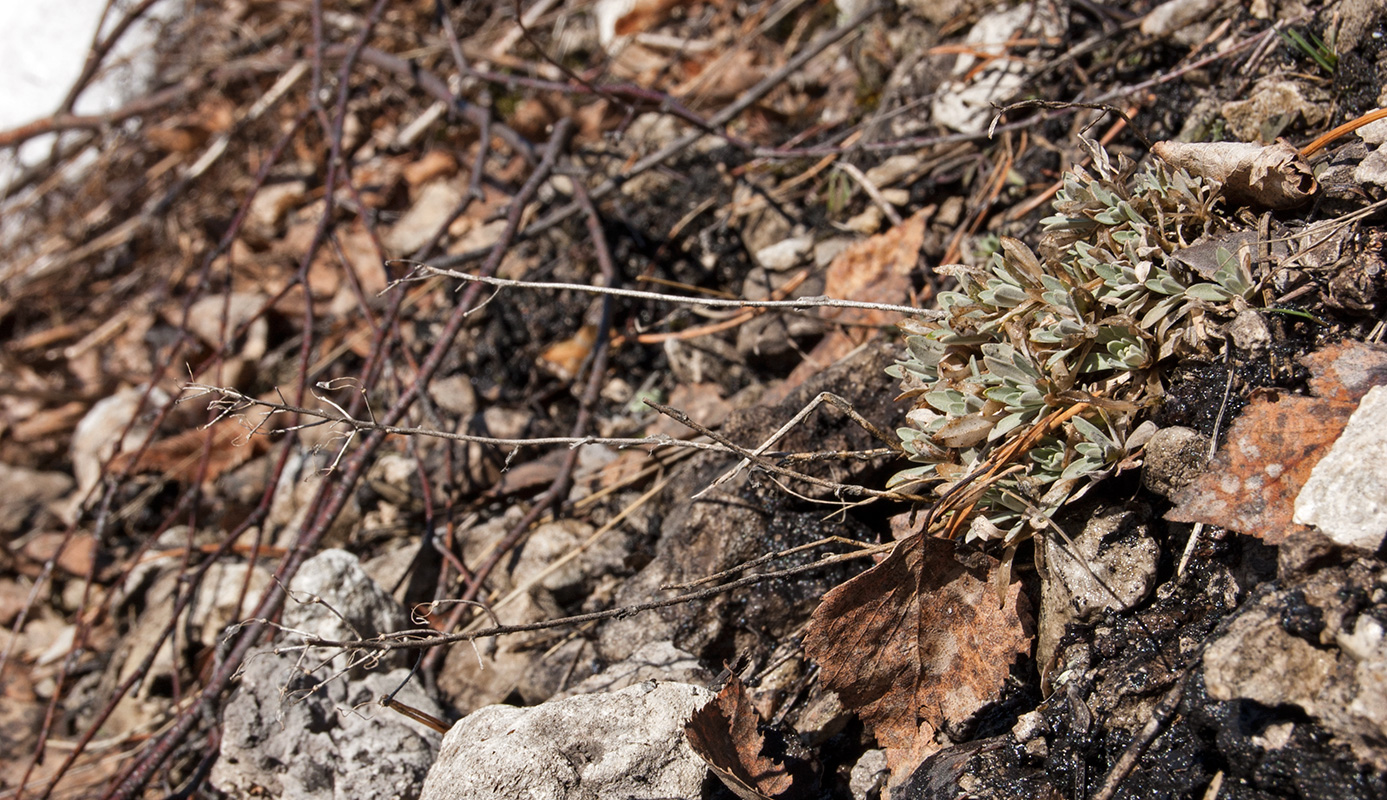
(917,643)
(726,733)
(1269,176)
(227,444)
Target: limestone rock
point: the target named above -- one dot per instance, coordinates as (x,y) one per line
(303,725)
(626,744)
(1346,495)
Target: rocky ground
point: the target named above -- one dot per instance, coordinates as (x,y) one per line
(288,515)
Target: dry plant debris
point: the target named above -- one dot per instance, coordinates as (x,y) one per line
(240,227)
(1272,176)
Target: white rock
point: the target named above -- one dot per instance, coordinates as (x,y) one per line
(1374,133)
(306,726)
(608,13)
(1372,169)
(1174,457)
(1346,495)
(892,170)
(288,734)
(967,106)
(868,775)
(1176,14)
(1249,331)
(625,744)
(785,254)
(333,597)
(431,209)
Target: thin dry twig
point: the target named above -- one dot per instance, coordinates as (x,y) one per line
(798,304)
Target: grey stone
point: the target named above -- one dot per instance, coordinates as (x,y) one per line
(332,597)
(1372,169)
(785,254)
(654,661)
(772,338)
(306,724)
(893,169)
(1374,133)
(1111,565)
(1258,660)
(1346,495)
(554,558)
(868,777)
(1249,331)
(967,103)
(1174,15)
(1272,105)
(1175,456)
(626,744)
(287,734)
(1332,664)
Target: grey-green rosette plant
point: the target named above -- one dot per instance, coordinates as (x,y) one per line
(1033,384)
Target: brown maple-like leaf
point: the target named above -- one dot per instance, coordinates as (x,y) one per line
(1252,483)
(917,643)
(726,733)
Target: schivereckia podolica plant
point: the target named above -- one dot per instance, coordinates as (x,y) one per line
(1033,384)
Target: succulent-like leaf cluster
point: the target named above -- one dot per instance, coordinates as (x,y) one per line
(1029,337)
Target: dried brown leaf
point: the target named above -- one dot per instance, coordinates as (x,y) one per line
(644,15)
(1252,483)
(179,456)
(917,643)
(74,555)
(875,270)
(726,733)
(1269,176)
(565,358)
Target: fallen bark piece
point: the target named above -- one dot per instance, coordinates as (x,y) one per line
(1269,176)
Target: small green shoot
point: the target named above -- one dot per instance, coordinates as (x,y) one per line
(1313,47)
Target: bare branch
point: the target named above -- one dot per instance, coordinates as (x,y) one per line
(798,304)
(339,415)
